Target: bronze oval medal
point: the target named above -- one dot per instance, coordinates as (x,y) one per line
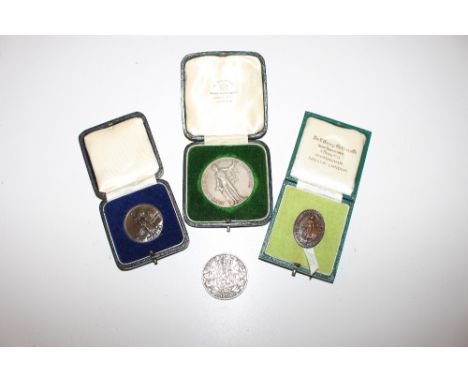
(309,228)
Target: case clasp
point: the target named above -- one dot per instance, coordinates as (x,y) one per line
(294,271)
(154,257)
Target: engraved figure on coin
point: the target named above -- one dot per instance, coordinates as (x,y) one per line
(147,221)
(311,228)
(226,179)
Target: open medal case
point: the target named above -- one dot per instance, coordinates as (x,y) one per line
(227,180)
(139,212)
(312,214)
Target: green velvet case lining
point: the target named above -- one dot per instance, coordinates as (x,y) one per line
(199,208)
(283,246)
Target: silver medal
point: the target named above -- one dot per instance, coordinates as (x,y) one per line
(227,182)
(224,276)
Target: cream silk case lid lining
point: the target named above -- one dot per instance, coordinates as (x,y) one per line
(122,158)
(224,95)
(328,156)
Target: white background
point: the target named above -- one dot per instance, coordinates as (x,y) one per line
(402,278)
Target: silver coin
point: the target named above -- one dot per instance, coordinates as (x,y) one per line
(227,182)
(143,223)
(309,228)
(225,276)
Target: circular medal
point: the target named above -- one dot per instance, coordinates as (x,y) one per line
(309,228)
(227,182)
(224,277)
(143,223)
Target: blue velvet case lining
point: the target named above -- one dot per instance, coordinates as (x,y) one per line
(129,251)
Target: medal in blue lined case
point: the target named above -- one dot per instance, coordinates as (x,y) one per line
(138,209)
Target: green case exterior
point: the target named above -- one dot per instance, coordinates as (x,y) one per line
(253,138)
(347,199)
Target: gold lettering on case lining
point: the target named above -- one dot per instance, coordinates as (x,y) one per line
(330,154)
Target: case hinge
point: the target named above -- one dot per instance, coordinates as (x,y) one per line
(241,139)
(319,191)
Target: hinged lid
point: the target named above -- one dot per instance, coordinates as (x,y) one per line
(121,156)
(329,156)
(224,94)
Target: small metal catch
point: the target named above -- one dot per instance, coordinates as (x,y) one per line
(294,271)
(154,257)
